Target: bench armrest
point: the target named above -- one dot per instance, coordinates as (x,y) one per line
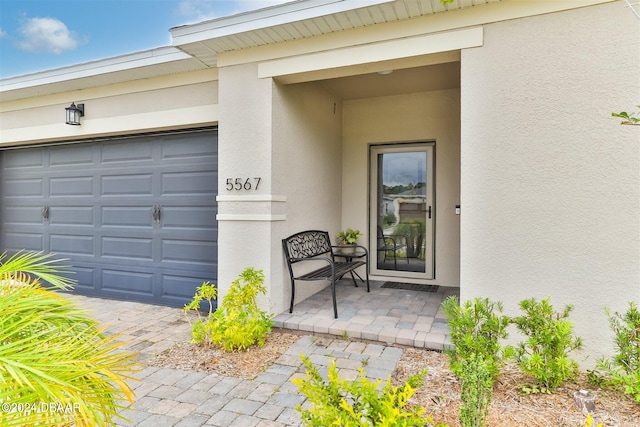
(293,260)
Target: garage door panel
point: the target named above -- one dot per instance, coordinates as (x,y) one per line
(131,185)
(121,247)
(15,241)
(189,183)
(71,155)
(127,216)
(72,245)
(73,216)
(179,288)
(196,148)
(84,277)
(23,215)
(81,186)
(192,217)
(187,251)
(18,159)
(24,188)
(115,153)
(127,281)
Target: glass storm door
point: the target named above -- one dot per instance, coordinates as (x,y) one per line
(402,210)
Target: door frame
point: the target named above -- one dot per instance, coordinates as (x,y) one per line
(428,146)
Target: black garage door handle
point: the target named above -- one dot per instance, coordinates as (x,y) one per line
(156,213)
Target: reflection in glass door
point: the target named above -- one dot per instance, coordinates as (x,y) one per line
(402,210)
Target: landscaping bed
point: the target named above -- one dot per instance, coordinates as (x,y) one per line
(440,393)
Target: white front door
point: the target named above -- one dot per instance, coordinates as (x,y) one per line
(402,210)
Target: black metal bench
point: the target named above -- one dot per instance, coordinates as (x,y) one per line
(314,245)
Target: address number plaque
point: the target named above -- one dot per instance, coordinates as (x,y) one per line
(238,184)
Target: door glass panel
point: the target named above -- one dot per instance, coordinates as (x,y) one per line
(403,211)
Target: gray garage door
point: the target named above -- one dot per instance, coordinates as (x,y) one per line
(135,216)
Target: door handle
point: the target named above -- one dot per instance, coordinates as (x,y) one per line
(429,212)
(156,213)
(45,213)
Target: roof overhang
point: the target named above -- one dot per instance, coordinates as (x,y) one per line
(139,65)
(299,20)
(196,46)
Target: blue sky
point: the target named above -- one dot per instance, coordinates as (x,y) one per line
(38,35)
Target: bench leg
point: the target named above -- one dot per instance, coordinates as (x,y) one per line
(293,295)
(333,293)
(366,272)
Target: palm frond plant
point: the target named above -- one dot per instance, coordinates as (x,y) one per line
(57,368)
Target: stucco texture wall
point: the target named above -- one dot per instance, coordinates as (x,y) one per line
(307,150)
(185,100)
(424,116)
(244,151)
(290,137)
(550,182)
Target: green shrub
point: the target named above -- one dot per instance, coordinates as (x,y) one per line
(238,323)
(476,391)
(53,353)
(545,353)
(476,328)
(624,369)
(201,328)
(358,403)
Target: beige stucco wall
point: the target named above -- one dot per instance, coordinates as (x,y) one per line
(290,137)
(307,160)
(550,181)
(426,116)
(169,102)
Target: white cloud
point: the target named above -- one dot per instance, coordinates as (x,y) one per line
(2,33)
(48,35)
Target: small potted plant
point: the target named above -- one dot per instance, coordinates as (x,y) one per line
(349,237)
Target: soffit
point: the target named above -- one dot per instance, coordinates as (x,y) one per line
(300,20)
(398,82)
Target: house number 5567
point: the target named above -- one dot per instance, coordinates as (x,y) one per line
(243,184)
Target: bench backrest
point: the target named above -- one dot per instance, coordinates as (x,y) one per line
(306,244)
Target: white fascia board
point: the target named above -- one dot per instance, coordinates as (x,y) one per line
(94,68)
(374,52)
(252,198)
(265,18)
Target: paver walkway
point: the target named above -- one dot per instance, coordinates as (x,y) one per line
(179,398)
(401,316)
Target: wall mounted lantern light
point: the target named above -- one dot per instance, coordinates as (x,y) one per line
(74,112)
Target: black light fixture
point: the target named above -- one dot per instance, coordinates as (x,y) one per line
(74,112)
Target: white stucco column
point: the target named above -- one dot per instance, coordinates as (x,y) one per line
(247,207)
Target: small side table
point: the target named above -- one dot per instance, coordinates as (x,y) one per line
(359,252)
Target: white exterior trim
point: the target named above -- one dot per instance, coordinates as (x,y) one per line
(112,90)
(250,198)
(383,51)
(89,69)
(250,217)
